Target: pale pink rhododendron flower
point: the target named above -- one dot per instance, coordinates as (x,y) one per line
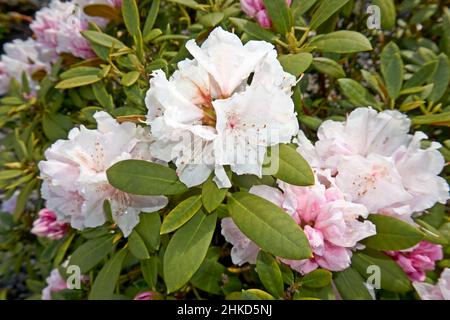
(75,185)
(256,9)
(439,291)
(417,260)
(46,225)
(55,283)
(378,164)
(58,28)
(330,223)
(224,107)
(22,57)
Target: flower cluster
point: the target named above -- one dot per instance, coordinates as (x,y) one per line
(74,175)
(256,9)
(222,108)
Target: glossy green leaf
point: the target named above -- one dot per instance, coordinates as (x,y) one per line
(441,78)
(131,18)
(351,285)
(325,10)
(280,15)
(181,214)
(90,253)
(387,13)
(356,93)
(270,274)
(103,39)
(137,246)
(342,41)
(148,228)
(212,196)
(329,67)
(253,29)
(317,279)
(297,63)
(130,78)
(151,18)
(77,82)
(268,226)
(392,69)
(149,268)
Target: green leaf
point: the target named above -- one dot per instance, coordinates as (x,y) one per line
(341,42)
(144,178)
(270,274)
(387,12)
(104,284)
(102,95)
(151,18)
(325,10)
(392,234)
(209,276)
(317,279)
(212,19)
(434,119)
(137,246)
(270,227)
(212,196)
(441,78)
(422,75)
(22,199)
(79,71)
(148,228)
(293,168)
(392,69)
(356,93)
(90,253)
(103,39)
(149,270)
(329,67)
(187,249)
(131,18)
(324,293)
(56,126)
(296,64)
(256,294)
(9,174)
(181,214)
(280,15)
(351,285)
(130,78)
(190,3)
(253,29)
(392,277)
(77,82)
(63,250)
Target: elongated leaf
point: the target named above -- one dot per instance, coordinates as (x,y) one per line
(102,95)
(253,30)
(144,178)
(101,10)
(77,82)
(392,69)
(103,39)
(270,274)
(9,174)
(392,277)
(434,119)
(148,228)
(280,15)
(328,66)
(151,18)
(422,75)
(256,294)
(106,280)
(187,249)
(56,126)
(268,226)
(22,199)
(441,78)
(79,71)
(90,253)
(181,214)
(317,279)
(296,64)
(392,234)
(137,246)
(325,10)
(293,168)
(212,19)
(130,78)
(149,270)
(356,93)
(212,196)
(341,42)
(131,18)
(351,285)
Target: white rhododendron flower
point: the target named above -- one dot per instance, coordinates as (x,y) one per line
(74,175)
(378,164)
(224,107)
(330,223)
(21,57)
(439,291)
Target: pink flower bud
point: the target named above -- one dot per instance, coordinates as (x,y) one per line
(415,261)
(46,225)
(256,9)
(146,295)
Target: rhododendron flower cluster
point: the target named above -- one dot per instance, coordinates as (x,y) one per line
(378,164)
(207,115)
(419,259)
(75,185)
(46,225)
(330,223)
